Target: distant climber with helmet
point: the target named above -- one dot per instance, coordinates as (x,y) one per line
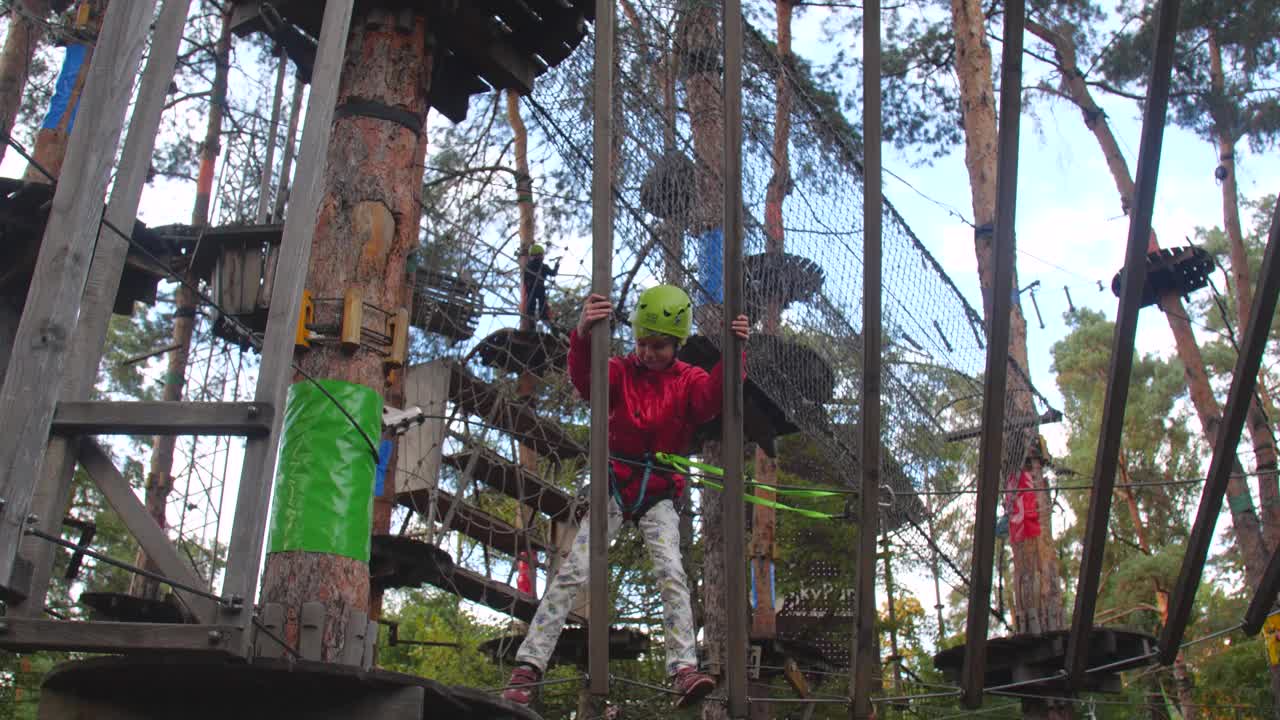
(655,403)
(535,276)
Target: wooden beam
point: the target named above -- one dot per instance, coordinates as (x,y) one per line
(601,284)
(515,482)
(1133,280)
(35,374)
(494,595)
(151,538)
(27,634)
(1243,382)
(991,446)
(865,652)
(276,371)
(155,417)
(476,523)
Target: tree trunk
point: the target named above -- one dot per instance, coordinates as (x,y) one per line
(51,142)
(1264,442)
(1243,517)
(527,384)
(15,60)
(366,228)
(1037,584)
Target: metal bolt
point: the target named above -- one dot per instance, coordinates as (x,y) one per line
(215,637)
(252,410)
(2,504)
(33,519)
(4,627)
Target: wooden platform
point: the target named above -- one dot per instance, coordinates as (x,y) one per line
(24,209)
(1019,657)
(483,44)
(514,351)
(203,687)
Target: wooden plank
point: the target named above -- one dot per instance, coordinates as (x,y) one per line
(36,372)
(473,36)
(157,417)
(515,482)
(480,398)
(273,618)
(311,631)
(403,703)
(493,594)
(27,634)
(476,523)
(151,538)
(421,448)
(276,371)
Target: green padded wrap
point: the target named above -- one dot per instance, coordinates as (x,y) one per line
(324,480)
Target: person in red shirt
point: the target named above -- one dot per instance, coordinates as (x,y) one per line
(655,403)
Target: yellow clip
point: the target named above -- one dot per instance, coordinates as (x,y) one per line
(82,15)
(307,316)
(352,319)
(398,331)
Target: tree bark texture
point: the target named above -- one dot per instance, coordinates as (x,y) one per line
(700,47)
(366,227)
(15,60)
(340,583)
(1264,441)
(1036,581)
(1244,518)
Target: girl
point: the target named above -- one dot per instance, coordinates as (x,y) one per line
(655,403)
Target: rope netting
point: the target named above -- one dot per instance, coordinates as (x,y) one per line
(803,198)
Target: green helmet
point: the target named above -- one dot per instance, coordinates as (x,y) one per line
(663,310)
(536,249)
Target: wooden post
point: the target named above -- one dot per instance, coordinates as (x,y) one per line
(247,539)
(991,445)
(35,375)
(601,284)
(286,162)
(53,493)
(273,132)
(865,650)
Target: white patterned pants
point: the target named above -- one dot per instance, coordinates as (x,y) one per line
(660,527)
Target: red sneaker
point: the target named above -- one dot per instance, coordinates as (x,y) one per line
(521,685)
(691,685)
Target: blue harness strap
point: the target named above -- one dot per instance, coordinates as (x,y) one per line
(638,508)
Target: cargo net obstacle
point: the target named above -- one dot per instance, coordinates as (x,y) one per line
(498,500)
(803,252)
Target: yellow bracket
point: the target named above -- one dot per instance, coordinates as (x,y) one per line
(398,331)
(307,316)
(352,319)
(1271,631)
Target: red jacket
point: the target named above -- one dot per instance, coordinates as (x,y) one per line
(649,411)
